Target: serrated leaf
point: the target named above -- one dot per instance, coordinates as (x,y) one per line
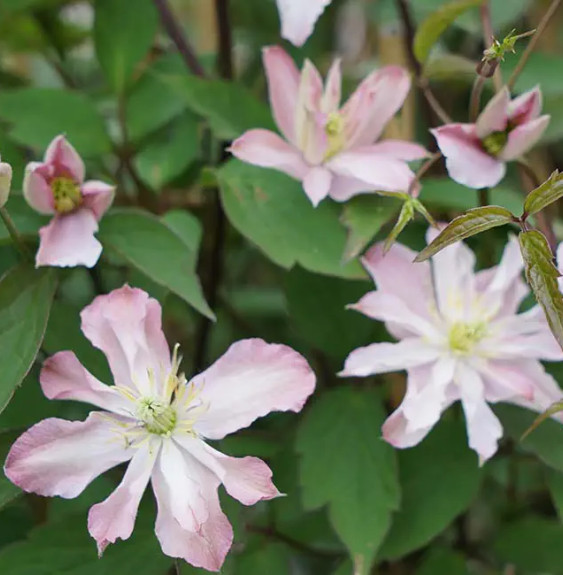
(362,488)
(405,216)
(26,295)
(436,24)
(542,276)
(550,191)
(473,222)
(157,251)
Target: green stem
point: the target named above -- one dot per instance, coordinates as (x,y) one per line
(475,100)
(423,169)
(14,234)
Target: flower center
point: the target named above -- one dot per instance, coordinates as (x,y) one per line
(158,416)
(66,194)
(334,130)
(494,143)
(464,336)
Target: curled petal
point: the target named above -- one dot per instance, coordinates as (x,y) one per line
(57,457)
(317,184)
(97,197)
(114,518)
(523,138)
(36,190)
(249,381)
(65,159)
(526,107)
(126,325)
(494,117)
(68,240)
(298,18)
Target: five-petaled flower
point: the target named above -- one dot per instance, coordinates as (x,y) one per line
(159,422)
(461,338)
(332,150)
(476,154)
(299,17)
(56,186)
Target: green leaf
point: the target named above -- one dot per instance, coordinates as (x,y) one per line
(272,210)
(442,561)
(317,307)
(157,251)
(405,216)
(123,34)
(186,226)
(531,544)
(555,484)
(270,558)
(26,220)
(550,191)
(542,276)
(364,216)
(436,24)
(26,295)
(37,115)
(473,222)
(439,479)
(361,488)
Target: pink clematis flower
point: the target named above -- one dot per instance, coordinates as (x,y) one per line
(332,150)
(159,422)
(56,186)
(476,154)
(461,338)
(298,18)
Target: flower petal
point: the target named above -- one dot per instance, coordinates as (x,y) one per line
(377,99)
(526,107)
(507,380)
(387,357)
(333,88)
(399,150)
(64,377)
(68,240)
(494,117)
(524,138)
(126,325)
(266,149)
(298,18)
(36,190)
(57,457)
(317,184)
(343,188)
(466,161)
(65,159)
(283,87)
(249,381)
(114,518)
(97,197)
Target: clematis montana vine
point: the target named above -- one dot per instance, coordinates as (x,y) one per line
(56,187)
(332,150)
(159,422)
(476,154)
(298,18)
(461,338)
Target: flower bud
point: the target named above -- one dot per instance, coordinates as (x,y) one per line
(5,182)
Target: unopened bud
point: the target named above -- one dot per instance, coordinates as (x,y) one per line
(5,182)
(496,52)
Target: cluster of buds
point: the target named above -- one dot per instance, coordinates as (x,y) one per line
(496,52)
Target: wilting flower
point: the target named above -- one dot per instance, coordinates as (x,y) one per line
(56,186)
(332,150)
(476,154)
(298,18)
(461,338)
(159,422)
(5,182)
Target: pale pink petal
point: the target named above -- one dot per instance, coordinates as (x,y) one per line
(377,99)
(249,381)
(114,518)
(494,117)
(333,88)
(206,547)
(126,325)
(283,87)
(399,150)
(266,149)
(58,457)
(507,380)
(466,160)
(524,138)
(380,172)
(68,240)
(483,427)
(343,188)
(247,479)
(36,190)
(526,107)
(512,342)
(317,184)
(298,18)
(64,377)
(97,197)
(387,357)
(5,182)
(66,160)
